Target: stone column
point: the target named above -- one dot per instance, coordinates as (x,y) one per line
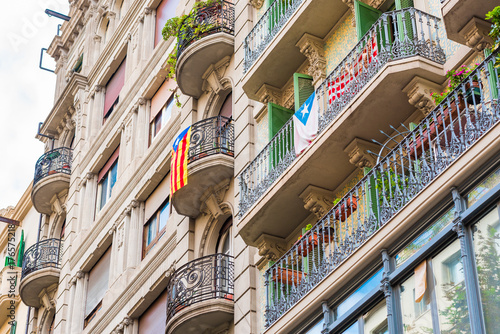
(78,309)
(148,31)
(133,231)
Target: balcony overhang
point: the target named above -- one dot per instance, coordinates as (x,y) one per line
(457,13)
(200,317)
(45,189)
(281,57)
(203,174)
(34,283)
(197,57)
(324,163)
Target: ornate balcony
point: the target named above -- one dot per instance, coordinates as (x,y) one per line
(449,131)
(197,51)
(464,21)
(9,289)
(52,175)
(271,44)
(200,295)
(352,104)
(41,268)
(210,162)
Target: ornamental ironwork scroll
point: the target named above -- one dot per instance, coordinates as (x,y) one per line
(53,162)
(211,136)
(44,254)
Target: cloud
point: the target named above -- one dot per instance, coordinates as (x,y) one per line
(26,92)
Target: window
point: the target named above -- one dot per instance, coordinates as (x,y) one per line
(156,213)
(107,180)
(441,279)
(161,108)
(155,227)
(154,318)
(487,254)
(161,119)
(113,89)
(164,11)
(97,286)
(373,322)
(483,187)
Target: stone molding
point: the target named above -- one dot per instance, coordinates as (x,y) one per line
(317,200)
(214,77)
(268,93)
(271,247)
(358,153)
(257,4)
(419,91)
(313,48)
(476,34)
(212,199)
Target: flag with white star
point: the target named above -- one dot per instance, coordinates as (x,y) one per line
(305,123)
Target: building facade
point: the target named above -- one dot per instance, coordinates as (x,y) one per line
(386,222)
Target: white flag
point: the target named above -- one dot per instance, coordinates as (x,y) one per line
(305,123)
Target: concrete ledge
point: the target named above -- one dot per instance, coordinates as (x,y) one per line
(33,284)
(46,188)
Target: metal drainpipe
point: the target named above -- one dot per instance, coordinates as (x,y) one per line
(37,241)
(28,319)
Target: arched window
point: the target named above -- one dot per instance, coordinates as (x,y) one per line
(224,243)
(227,107)
(105,35)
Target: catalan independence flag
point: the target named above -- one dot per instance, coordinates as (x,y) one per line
(178,165)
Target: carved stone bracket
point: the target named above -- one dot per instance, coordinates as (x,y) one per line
(317,200)
(268,93)
(313,48)
(358,153)
(271,247)
(419,94)
(214,77)
(212,199)
(257,4)
(476,34)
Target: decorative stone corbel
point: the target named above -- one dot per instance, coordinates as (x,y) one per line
(317,200)
(213,76)
(257,4)
(268,93)
(271,247)
(476,34)
(358,153)
(47,302)
(313,48)
(419,92)
(212,198)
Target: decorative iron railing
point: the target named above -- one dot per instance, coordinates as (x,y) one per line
(211,136)
(449,130)
(55,161)
(266,28)
(218,17)
(44,254)
(209,277)
(395,35)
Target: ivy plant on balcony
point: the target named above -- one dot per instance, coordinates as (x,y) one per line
(184,25)
(494,17)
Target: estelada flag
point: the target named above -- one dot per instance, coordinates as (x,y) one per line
(178,165)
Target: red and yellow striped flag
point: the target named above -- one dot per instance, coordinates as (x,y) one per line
(178,165)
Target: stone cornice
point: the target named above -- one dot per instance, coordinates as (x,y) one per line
(61,107)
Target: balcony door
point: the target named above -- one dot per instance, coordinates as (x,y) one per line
(222,271)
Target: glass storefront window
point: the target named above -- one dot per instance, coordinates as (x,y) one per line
(486,235)
(417,316)
(425,237)
(448,274)
(317,328)
(375,320)
(482,188)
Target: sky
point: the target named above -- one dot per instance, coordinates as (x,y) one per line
(26,92)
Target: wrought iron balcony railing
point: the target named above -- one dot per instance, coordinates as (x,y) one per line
(206,278)
(218,17)
(268,26)
(445,134)
(211,136)
(397,34)
(55,161)
(44,254)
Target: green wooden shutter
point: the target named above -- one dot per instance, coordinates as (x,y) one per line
(20,253)
(407,27)
(278,116)
(365,16)
(303,88)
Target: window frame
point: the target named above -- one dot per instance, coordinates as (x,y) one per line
(168,106)
(146,248)
(109,187)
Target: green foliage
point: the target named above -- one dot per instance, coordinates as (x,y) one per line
(387,184)
(455,77)
(494,17)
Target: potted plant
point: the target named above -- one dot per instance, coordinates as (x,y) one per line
(346,209)
(305,246)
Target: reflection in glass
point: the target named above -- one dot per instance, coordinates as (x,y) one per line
(425,237)
(375,320)
(416,316)
(487,249)
(482,188)
(450,290)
